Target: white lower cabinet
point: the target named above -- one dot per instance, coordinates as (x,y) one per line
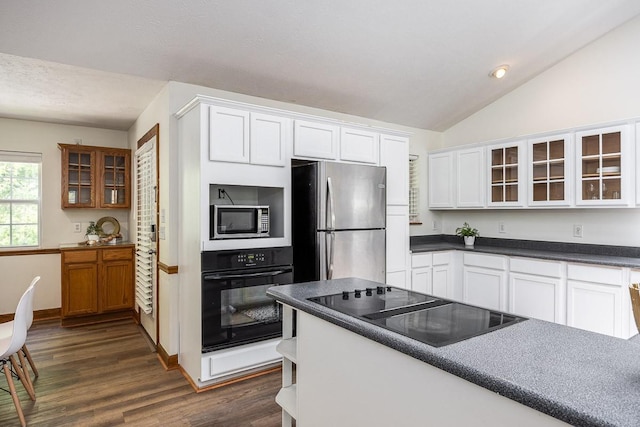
(421,273)
(442,275)
(591,297)
(536,289)
(484,281)
(594,299)
(432,273)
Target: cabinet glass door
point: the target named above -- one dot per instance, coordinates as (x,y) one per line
(601,157)
(549,176)
(79,191)
(114,183)
(504,174)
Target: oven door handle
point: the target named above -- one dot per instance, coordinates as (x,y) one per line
(245,275)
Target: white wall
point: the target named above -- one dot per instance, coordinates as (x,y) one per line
(57,224)
(596,85)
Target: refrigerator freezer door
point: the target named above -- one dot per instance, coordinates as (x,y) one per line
(355,253)
(351,196)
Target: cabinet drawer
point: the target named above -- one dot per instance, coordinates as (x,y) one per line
(600,274)
(115,254)
(495,262)
(420,260)
(536,267)
(441,258)
(79,256)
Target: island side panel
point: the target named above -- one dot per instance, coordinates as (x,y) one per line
(344,379)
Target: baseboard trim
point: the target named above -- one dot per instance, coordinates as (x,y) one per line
(228,382)
(46,314)
(170,362)
(70,322)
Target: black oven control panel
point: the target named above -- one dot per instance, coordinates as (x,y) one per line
(246,258)
(250,259)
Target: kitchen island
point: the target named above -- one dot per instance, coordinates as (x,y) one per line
(351,372)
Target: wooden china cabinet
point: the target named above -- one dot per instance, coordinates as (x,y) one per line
(98,282)
(95,177)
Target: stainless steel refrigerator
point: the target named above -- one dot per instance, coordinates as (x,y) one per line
(339,220)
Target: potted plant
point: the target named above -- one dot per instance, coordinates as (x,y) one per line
(468,233)
(93,231)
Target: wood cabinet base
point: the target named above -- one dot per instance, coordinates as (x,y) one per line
(98,318)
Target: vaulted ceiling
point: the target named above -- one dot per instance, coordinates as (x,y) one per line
(421,63)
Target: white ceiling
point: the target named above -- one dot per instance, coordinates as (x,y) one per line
(421,63)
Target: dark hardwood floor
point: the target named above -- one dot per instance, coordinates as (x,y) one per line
(109,375)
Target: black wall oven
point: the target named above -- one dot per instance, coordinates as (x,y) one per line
(235,307)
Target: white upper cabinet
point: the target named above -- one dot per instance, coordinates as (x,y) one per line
(550,171)
(441,180)
(506,166)
(359,145)
(228,135)
(317,140)
(603,175)
(240,136)
(394,155)
(270,135)
(470,182)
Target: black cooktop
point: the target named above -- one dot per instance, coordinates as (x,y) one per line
(431,320)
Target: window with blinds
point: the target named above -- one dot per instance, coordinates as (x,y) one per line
(414,190)
(145,225)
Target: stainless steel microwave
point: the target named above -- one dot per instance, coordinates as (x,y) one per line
(238,221)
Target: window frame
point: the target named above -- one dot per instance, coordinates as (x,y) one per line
(7,156)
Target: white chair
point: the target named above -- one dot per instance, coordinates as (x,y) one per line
(7,327)
(11,345)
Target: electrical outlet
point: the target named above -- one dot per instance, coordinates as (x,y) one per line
(501,228)
(77,227)
(577,230)
(434,225)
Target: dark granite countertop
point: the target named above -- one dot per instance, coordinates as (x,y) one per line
(617,256)
(579,377)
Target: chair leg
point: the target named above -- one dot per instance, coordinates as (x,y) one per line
(14,394)
(33,365)
(20,372)
(28,385)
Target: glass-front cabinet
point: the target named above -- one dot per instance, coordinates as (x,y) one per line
(601,166)
(114,189)
(80,166)
(95,177)
(549,171)
(506,175)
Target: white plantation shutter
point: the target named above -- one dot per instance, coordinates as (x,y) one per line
(414,190)
(145,218)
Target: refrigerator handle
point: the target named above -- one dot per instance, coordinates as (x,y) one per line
(330,250)
(331,213)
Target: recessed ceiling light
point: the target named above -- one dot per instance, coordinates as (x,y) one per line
(499,72)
